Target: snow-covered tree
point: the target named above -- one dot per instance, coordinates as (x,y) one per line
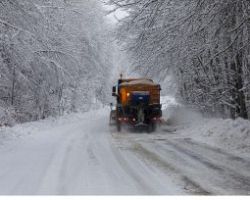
(204,43)
(54,57)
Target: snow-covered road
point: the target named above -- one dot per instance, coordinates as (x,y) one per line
(86,156)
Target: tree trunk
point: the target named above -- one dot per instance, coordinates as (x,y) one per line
(241,109)
(13,86)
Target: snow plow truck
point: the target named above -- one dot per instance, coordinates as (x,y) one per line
(137,104)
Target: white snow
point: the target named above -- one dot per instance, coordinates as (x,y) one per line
(168,102)
(228,134)
(139,82)
(75,154)
(81,154)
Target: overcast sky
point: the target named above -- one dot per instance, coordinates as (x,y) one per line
(119,14)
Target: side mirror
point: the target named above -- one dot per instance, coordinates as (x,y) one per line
(114,91)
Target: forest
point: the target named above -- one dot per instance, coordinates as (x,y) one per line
(204,44)
(53,58)
(58,56)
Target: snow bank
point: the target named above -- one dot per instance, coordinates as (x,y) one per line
(228,134)
(233,135)
(32,128)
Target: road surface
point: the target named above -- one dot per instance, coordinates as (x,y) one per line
(87,156)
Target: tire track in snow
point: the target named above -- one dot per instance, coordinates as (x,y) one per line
(121,174)
(130,143)
(53,181)
(62,188)
(139,180)
(230,159)
(190,185)
(233,179)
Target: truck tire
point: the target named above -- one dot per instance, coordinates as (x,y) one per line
(118,126)
(151,127)
(110,119)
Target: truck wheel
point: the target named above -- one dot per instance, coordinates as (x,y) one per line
(153,127)
(110,120)
(119,127)
(149,128)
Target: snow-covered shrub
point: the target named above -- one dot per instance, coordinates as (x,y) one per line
(6,117)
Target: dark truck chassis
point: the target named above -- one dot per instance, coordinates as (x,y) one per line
(150,116)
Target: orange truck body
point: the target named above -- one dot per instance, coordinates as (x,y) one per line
(132,85)
(137,103)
